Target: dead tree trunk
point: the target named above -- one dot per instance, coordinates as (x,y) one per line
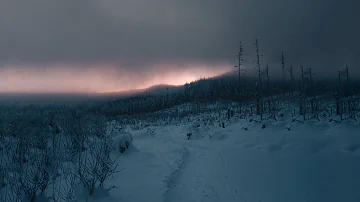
(283,68)
(258,85)
(301,92)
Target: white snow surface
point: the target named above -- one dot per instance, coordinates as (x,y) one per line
(314,161)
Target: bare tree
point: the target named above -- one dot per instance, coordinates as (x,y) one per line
(305,74)
(283,67)
(339,97)
(290,69)
(258,85)
(240,57)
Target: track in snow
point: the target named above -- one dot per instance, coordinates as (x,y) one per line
(190,181)
(271,165)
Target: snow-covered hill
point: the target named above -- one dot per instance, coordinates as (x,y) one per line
(74,156)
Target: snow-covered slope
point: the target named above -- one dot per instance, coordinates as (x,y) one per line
(248,160)
(311,162)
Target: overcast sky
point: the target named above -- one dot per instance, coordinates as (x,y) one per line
(105,45)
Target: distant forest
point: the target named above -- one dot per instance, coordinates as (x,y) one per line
(238,87)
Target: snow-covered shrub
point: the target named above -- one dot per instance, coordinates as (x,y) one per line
(264,124)
(36,143)
(150,131)
(288,127)
(196,130)
(95,165)
(107,166)
(121,140)
(189,135)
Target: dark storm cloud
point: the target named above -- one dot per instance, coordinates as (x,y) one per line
(322,34)
(135,30)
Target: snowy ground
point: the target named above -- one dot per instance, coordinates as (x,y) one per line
(311,162)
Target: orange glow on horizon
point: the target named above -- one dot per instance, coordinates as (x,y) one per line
(98,78)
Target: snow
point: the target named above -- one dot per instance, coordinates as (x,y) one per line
(287,161)
(311,162)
